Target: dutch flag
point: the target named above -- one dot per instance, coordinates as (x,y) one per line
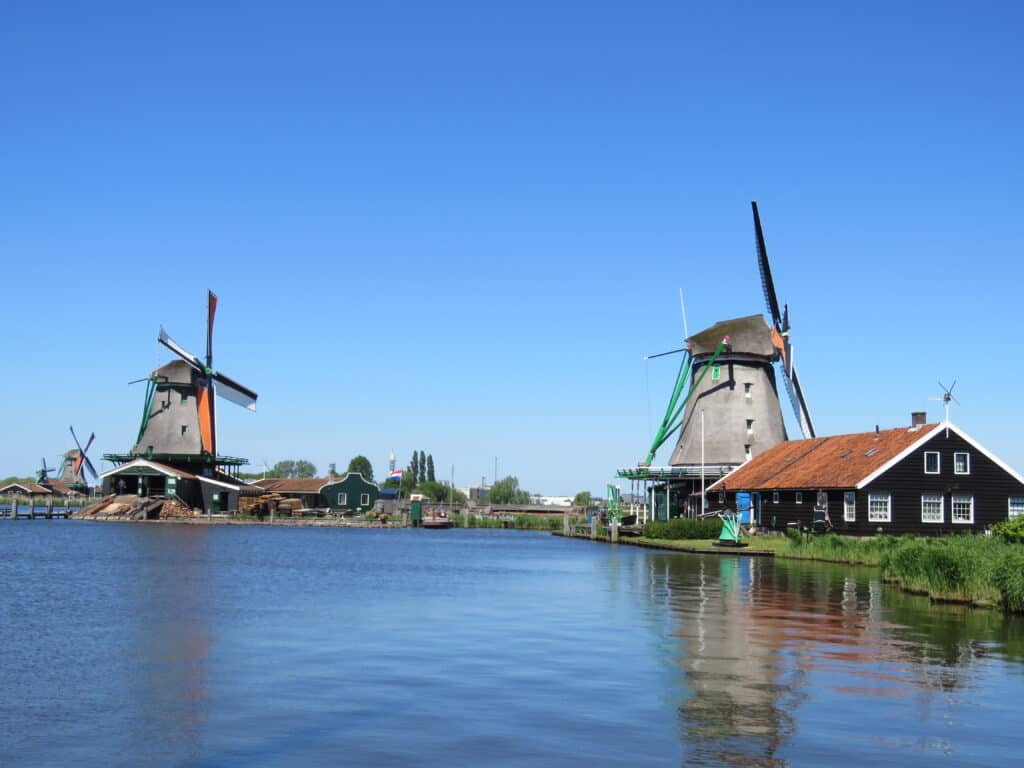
(396,475)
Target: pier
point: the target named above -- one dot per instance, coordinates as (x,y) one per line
(24,508)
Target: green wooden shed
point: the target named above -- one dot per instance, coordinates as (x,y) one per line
(351,495)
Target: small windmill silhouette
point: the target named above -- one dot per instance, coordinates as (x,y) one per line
(947,397)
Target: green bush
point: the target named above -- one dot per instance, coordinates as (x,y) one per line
(795,537)
(684,528)
(1010,531)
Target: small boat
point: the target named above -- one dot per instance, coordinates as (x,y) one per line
(438,519)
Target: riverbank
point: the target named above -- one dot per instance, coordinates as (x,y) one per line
(971,570)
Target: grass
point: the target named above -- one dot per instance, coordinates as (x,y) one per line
(977,570)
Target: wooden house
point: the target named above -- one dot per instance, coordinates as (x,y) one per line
(146,478)
(926,479)
(348,495)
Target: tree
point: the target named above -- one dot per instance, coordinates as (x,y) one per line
(430,468)
(408,484)
(291,468)
(414,468)
(582,500)
(441,492)
(507,491)
(362,465)
(423,467)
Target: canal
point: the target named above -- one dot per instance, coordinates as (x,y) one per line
(250,646)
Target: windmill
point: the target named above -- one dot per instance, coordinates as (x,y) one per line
(180,418)
(75,461)
(725,403)
(43,473)
(947,397)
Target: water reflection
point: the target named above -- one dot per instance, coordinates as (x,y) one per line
(171,602)
(773,653)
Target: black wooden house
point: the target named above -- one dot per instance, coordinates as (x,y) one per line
(926,479)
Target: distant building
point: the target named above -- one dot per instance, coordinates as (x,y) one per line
(349,495)
(925,479)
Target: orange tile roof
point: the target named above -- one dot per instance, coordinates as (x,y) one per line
(292,484)
(839,461)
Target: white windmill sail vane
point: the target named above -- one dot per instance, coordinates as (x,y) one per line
(233,391)
(179,350)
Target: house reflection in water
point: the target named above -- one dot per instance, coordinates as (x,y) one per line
(770,649)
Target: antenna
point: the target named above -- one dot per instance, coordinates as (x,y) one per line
(682,306)
(947,397)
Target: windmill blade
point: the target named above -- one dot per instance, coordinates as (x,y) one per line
(92,437)
(77,466)
(91,468)
(796,397)
(211,310)
(180,351)
(766,271)
(231,390)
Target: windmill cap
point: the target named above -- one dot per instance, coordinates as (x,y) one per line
(747,335)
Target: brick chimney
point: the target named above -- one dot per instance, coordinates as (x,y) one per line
(918,419)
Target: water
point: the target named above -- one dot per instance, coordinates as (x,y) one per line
(246,646)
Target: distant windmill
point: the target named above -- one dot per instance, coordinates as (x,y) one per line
(76,460)
(947,397)
(43,473)
(179,417)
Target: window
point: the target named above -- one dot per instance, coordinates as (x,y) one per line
(746,452)
(799,497)
(716,372)
(879,508)
(364,499)
(746,390)
(184,429)
(1016,506)
(775,497)
(931,462)
(342,499)
(850,507)
(961,463)
(750,426)
(932,508)
(184,397)
(963,509)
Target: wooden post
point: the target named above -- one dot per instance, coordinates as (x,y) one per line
(565,522)
(614,529)
(593,527)
(49,507)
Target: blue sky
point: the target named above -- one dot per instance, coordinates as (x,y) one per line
(460,226)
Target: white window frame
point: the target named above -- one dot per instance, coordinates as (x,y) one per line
(364,500)
(967,459)
(958,498)
(876,517)
(798,497)
(746,390)
(775,497)
(931,498)
(1014,510)
(850,507)
(938,462)
(342,499)
(750,426)
(747,453)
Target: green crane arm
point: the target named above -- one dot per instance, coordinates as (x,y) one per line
(674,412)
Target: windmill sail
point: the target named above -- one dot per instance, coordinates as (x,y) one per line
(780,328)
